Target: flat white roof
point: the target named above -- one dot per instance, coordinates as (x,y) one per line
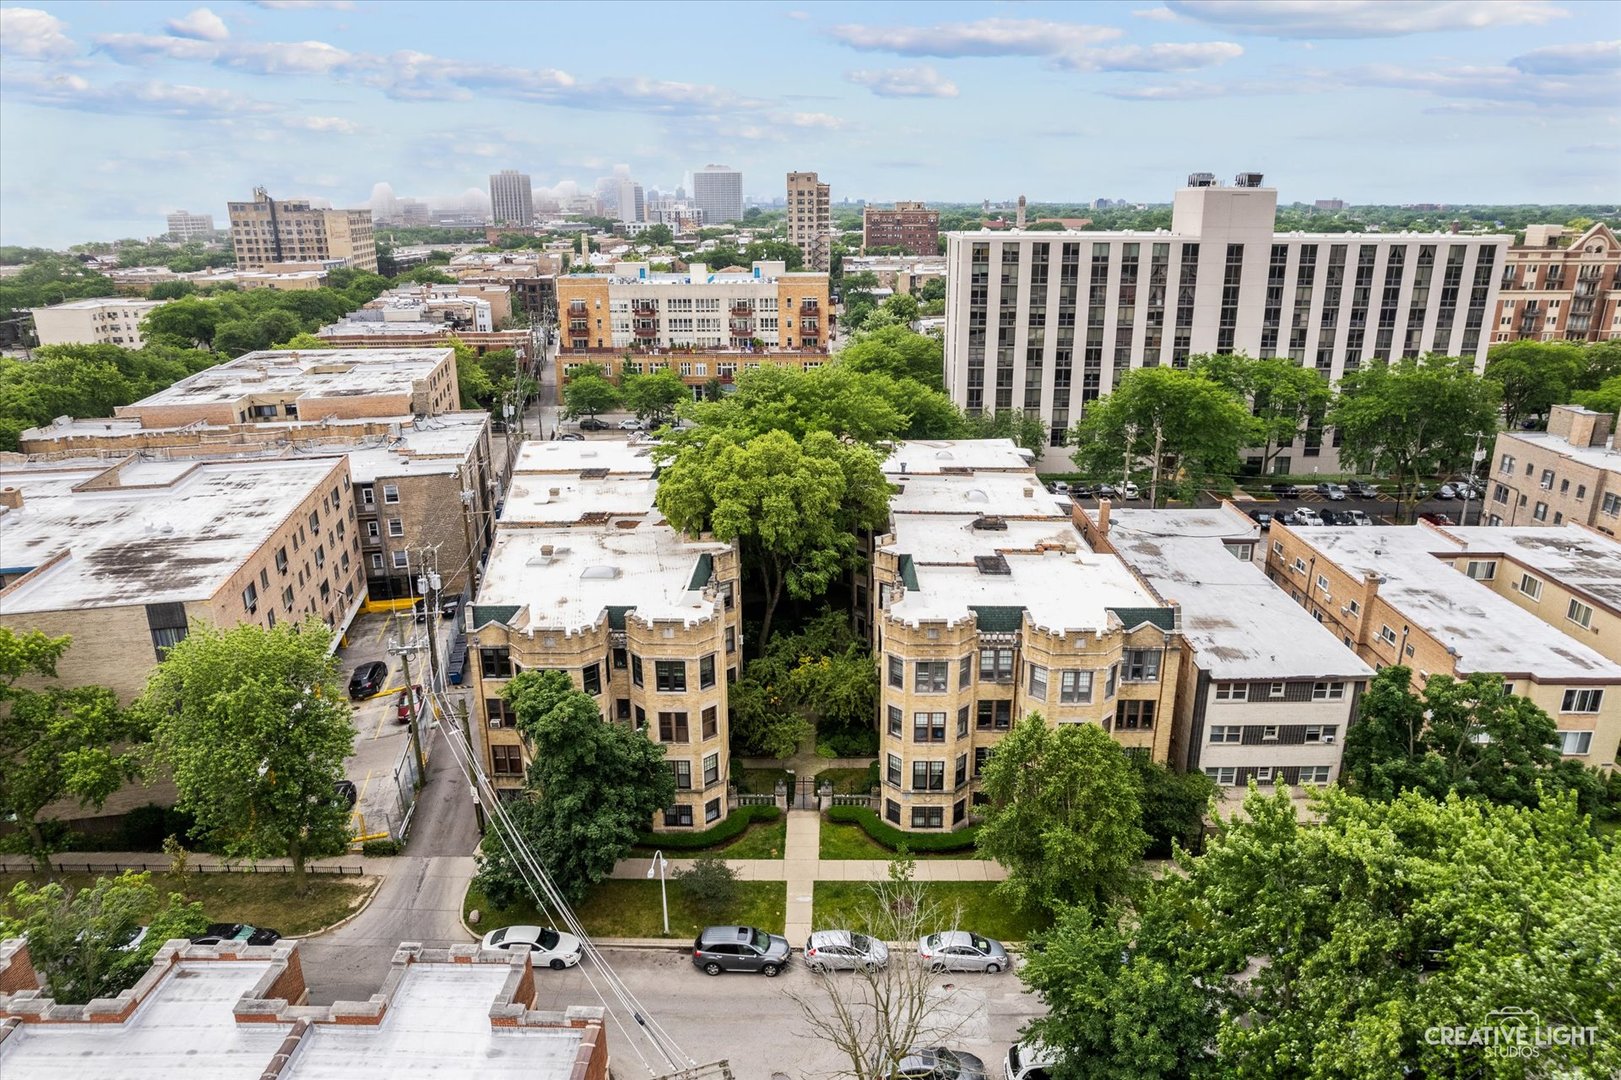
(923,456)
(96,303)
(1488,632)
(620,457)
(1575,557)
(530,498)
(312,373)
(176,541)
(1241,626)
(1005,494)
(1171,234)
(1605,457)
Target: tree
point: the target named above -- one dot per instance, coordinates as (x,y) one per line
(1174,806)
(1184,428)
(254,726)
(1286,400)
(711,884)
(474,383)
(57,742)
(1063,815)
(1607,398)
(1601,362)
(306,341)
(1469,738)
(1413,417)
(658,236)
(77,937)
(932,289)
(898,353)
(427,275)
(654,396)
(1533,375)
(587,395)
(187,323)
(794,505)
(1026,431)
(592,787)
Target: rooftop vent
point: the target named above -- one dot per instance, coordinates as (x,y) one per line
(975,495)
(944,455)
(1247,179)
(991,523)
(599,573)
(992,564)
(593,474)
(1201,179)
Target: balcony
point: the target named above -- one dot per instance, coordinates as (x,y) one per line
(644,309)
(646,330)
(809,307)
(742,311)
(579,326)
(576,309)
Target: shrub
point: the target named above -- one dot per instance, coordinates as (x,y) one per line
(860,742)
(146,827)
(874,774)
(734,826)
(380,848)
(893,838)
(710,884)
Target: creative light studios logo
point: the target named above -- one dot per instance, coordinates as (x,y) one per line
(1512,1032)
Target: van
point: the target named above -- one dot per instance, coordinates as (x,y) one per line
(1029,1060)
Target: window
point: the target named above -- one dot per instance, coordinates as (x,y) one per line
(1575,742)
(1546,480)
(591,678)
(929,676)
(1353,608)
(1277,547)
(372,532)
(1142,665)
(1500,493)
(1387,635)
(1134,716)
(1540,511)
(995,715)
(1300,565)
(928,776)
(1075,687)
(495,663)
(1038,682)
(711,811)
(672,727)
(281,559)
(897,673)
(250,598)
(982,754)
(1506,464)
(315,521)
(731,639)
(896,720)
(711,722)
(1580,614)
(711,769)
(678,816)
(1226,776)
(670,676)
(1225,733)
(1263,774)
(996,665)
(1314,774)
(1232,691)
(396,527)
(402,561)
(1322,583)
(367,496)
(1113,682)
(506,760)
(928,817)
(1612,505)
(167,622)
(962,770)
(1587,700)
(391,493)
(929,727)
(683,774)
(892,811)
(1481,569)
(621,659)
(376,561)
(1269,733)
(636,670)
(1328,691)
(962,722)
(892,775)
(706,672)
(622,708)
(1275,690)
(1320,732)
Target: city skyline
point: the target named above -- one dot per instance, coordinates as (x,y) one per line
(176,106)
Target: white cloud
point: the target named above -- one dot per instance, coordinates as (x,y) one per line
(305,5)
(1161,57)
(286,58)
(332,125)
(201,24)
(138,49)
(987,37)
(815,120)
(1363,18)
(31,34)
(920,81)
(1571,59)
(1159,14)
(149,97)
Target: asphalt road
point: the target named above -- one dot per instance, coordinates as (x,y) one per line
(1383,511)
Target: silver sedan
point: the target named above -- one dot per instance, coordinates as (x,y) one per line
(844,950)
(959,950)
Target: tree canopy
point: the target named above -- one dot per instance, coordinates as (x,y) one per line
(254,726)
(821,676)
(1286,399)
(588,394)
(238,321)
(898,353)
(654,396)
(85,381)
(1533,375)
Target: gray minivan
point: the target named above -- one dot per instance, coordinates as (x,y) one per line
(739,948)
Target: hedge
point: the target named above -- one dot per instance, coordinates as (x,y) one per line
(735,825)
(892,838)
(382,847)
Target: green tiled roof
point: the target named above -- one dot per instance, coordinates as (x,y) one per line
(1164,618)
(484,614)
(998,619)
(616,613)
(702,572)
(908,572)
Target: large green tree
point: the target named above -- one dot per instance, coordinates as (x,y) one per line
(78,938)
(254,726)
(1607,398)
(1063,814)
(1533,375)
(1027,431)
(1174,805)
(654,396)
(865,406)
(587,395)
(592,788)
(1418,416)
(1286,399)
(85,381)
(794,506)
(899,353)
(56,742)
(1176,425)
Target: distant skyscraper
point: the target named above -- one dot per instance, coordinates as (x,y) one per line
(184,225)
(510,200)
(810,218)
(632,201)
(718,191)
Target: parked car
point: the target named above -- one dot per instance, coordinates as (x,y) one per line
(405,702)
(546,946)
(367,680)
(1436,519)
(1305,515)
(939,1063)
(1107,491)
(220,933)
(1356,517)
(1080,491)
(1284,491)
(1029,1060)
(1131,490)
(132,942)
(1331,492)
(1333,517)
(740,948)
(448,608)
(571,436)
(346,791)
(844,950)
(630,423)
(419,610)
(591,423)
(1361,490)
(1263,518)
(1059,487)
(1447,491)
(959,950)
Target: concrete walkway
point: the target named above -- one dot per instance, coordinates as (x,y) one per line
(800,856)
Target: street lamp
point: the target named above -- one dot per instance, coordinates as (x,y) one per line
(659,865)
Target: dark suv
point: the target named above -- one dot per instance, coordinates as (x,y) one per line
(591,423)
(739,948)
(367,680)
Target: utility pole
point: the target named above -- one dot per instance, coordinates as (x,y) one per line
(467,738)
(404,651)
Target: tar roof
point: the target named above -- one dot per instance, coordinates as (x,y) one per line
(179,539)
(1240,625)
(1487,632)
(313,373)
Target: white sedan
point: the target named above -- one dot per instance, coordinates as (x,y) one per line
(630,423)
(554,950)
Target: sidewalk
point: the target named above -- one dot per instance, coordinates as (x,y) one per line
(157,862)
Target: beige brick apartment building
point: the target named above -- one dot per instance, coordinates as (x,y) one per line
(1561,287)
(1570,473)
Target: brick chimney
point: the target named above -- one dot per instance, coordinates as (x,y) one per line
(11,498)
(1103,517)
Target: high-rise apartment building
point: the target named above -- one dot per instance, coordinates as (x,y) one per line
(184,225)
(267,231)
(810,218)
(910,226)
(1022,334)
(632,201)
(104,320)
(511,202)
(1559,287)
(718,192)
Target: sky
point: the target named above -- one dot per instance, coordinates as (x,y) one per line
(113,114)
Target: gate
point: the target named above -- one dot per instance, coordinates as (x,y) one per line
(804,797)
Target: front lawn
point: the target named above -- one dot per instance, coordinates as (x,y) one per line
(762,840)
(846,840)
(630,909)
(265,899)
(969,905)
(846,781)
(760,781)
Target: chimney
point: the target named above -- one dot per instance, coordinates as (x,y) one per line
(1457,226)
(1103,517)
(1019,220)
(11,498)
